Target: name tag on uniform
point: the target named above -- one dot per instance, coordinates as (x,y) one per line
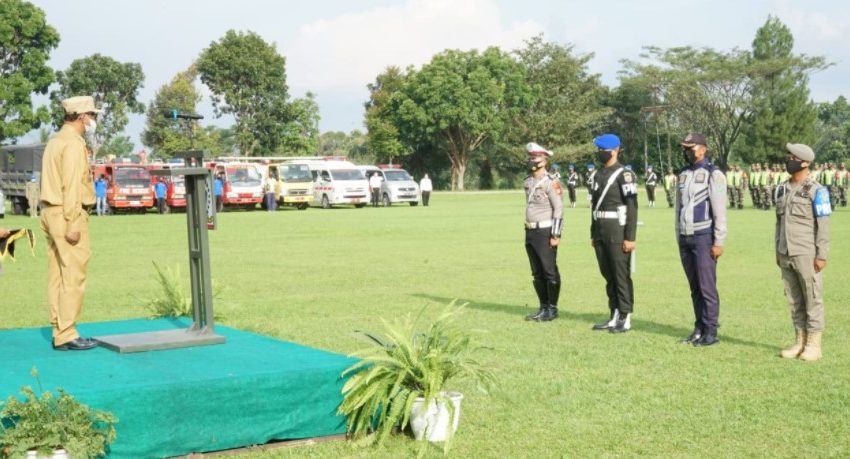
(700,177)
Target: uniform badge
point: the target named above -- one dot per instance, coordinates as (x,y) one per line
(557,187)
(700,177)
(683,178)
(627,177)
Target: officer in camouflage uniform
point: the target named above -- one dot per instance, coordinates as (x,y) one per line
(755,178)
(543,224)
(613,229)
(802,246)
(670,186)
(701,231)
(764,187)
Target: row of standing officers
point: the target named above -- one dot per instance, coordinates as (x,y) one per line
(801,236)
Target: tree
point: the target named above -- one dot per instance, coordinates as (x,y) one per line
(25,44)
(833,131)
(782,110)
(301,133)
(568,109)
(166,136)
(458,101)
(382,138)
(118,146)
(247,79)
(114,86)
(705,91)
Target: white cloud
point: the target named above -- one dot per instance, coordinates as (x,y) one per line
(349,51)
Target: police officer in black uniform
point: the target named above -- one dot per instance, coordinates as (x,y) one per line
(613,230)
(572,183)
(543,224)
(651,183)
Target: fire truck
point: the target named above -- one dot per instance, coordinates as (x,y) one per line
(128,186)
(243,184)
(175,196)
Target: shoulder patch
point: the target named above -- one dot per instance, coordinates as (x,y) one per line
(821,204)
(557,187)
(627,177)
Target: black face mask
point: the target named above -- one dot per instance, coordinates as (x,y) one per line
(793,166)
(604,156)
(534,164)
(690,155)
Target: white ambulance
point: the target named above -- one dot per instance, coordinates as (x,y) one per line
(337,182)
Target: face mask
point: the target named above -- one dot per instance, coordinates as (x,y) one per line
(793,166)
(91,125)
(534,164)
(690,155)
(604,156)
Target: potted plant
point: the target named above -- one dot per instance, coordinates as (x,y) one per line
(401,379)
(50,426)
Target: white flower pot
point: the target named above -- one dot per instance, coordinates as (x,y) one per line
(57,454)
(433,423)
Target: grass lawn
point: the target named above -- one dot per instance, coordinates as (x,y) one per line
(316,276)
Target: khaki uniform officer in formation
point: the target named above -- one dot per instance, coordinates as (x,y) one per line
(802,245)
(543,224)
(613,228)
(66,193)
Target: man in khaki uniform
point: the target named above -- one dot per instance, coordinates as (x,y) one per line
(67,192)
(32,193)
(802,246)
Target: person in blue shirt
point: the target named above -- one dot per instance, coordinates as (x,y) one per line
(218,190)
(100,186)
(161,190)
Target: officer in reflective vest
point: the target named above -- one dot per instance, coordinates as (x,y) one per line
(802,246)
(701,232)
(669,186)
(755,177)
(543,224)
(613,228)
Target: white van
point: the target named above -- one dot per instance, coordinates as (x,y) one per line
(397,185)
(337,182)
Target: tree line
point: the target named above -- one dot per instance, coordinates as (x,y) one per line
(463,117)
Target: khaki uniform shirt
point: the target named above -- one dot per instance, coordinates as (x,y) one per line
(65,176)
(798,230)
(544,199)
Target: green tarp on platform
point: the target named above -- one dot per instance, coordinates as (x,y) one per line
(248,391)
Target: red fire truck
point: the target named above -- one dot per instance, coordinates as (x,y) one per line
(129,186)
(243,184)
(175,197)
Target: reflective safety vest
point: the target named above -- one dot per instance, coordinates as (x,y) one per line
(754,177)
(764,178)
(828,177)
(668,181)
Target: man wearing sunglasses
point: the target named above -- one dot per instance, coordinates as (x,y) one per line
(701,231)
(67,192)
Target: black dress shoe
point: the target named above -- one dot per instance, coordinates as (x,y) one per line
(693,337)
(79,344)
(707,340)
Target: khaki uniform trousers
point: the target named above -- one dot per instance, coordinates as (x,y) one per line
(804,290)
(67,266)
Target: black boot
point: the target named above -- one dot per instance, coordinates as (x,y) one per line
(610,323)
(553,289)
(543,297)
(623,323)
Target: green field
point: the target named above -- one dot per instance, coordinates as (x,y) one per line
(316,276)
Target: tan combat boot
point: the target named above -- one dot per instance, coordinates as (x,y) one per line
(794,351)
(812,351)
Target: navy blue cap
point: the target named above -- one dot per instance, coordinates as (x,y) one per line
(572,166)
(607,141)
(590,166)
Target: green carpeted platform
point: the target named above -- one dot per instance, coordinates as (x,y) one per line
(249,391)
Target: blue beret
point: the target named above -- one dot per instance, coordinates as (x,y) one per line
(607,141)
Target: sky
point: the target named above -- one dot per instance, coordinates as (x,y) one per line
(334,48)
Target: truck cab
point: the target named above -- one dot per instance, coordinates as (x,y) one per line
(243,184)
(294,184)
(128,186)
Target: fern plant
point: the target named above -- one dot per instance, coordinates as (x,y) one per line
(173,302)
(47,422)
(403,365)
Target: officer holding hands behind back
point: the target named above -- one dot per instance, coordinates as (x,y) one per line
(543,224)
(613,229)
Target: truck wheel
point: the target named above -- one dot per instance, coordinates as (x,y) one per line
(360,206)
(303,206)
(325,203)
(17,207)
(414,203)
(386,200)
